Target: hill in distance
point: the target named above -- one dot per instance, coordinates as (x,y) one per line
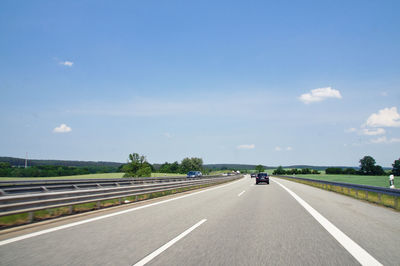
(18,162)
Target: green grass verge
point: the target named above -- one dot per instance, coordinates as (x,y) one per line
(377,181)
(165,174)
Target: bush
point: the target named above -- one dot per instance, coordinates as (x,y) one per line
(144,172)
(334,171)
(279,171)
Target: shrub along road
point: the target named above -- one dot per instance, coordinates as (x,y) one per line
(233,224)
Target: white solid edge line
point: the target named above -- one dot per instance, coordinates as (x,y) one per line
(160,250)
(241,193)
(361,255)
(15,239)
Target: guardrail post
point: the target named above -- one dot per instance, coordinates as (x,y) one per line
(98,204)
(357,193)
(380,197)
(348,191)
(71,209)
(30,217)
(366,194)
(396,202)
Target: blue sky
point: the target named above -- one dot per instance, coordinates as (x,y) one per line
(294,82)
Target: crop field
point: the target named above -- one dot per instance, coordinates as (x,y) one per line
(378,181)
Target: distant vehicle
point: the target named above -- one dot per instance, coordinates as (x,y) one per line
(253,175)
(262,177)
(194,174)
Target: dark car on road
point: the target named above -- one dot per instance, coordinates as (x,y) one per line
(262,177)
(253,175)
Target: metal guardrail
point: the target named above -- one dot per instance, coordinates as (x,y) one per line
(394,193)
(15,204)
(39,186)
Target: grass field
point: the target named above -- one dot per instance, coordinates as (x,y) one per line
(378,181)
(91,176)
(163,174)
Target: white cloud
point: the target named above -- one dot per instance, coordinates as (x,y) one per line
(246,147)
(388,117)
(277,148)
(167,135)
(373,132)
(385,140)
(350,130)
(63,128)
(67,63)
(379,140)
(320,94)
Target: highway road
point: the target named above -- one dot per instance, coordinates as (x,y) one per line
(238,223)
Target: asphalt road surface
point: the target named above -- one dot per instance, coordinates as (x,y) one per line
(238,223)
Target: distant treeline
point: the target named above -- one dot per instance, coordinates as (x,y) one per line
(295,171)
(6,170)
(351,171)
(186,165)
(368,166)
(219,167)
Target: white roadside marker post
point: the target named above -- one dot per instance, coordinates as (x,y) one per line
(391,181)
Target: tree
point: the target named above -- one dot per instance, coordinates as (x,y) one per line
(174,167)
(367,165)
(144,171)
(396,168)
(260,168)
(378,170)
(191,164)
(349,171)
(5,169)
(279,171)
(165,168)
(306,171)
(137,167)
(293,171)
